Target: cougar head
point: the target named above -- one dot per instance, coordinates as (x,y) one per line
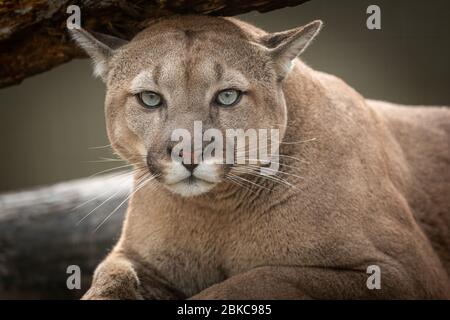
(217,72)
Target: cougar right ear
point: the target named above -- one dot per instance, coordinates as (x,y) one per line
(285,46)
(100,47)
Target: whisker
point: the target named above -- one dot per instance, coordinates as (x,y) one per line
(103,202)
(232,178)
(121,175)
(251,182)
(298,142)
(280,171)
(279,163)
(112,169)
(102,159)
(100,147)
(240,151)
(256,173)
(126,199)
(291,157)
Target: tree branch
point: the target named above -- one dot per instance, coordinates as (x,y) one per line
(44,230)
(34,39)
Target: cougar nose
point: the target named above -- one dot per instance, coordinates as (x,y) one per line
(190,166)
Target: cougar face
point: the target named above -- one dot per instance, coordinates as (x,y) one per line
(191,70)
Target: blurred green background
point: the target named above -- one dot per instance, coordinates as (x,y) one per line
(50,122)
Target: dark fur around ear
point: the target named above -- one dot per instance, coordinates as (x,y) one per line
(100,47)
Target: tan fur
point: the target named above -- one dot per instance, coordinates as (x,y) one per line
(375,186)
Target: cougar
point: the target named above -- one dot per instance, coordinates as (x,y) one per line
(362,185)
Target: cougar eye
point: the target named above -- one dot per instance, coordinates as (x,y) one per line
(228,97)
(149,99)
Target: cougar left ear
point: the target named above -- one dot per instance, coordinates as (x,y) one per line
(285,46)
(100,47)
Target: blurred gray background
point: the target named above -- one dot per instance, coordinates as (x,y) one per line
(49,123)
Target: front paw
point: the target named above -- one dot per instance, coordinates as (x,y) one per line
(122,292)
(116,280)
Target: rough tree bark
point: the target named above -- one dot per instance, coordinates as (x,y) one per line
(33,35)
(41,235)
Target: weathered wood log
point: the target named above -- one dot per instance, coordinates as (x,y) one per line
(33,35)
(41,235)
